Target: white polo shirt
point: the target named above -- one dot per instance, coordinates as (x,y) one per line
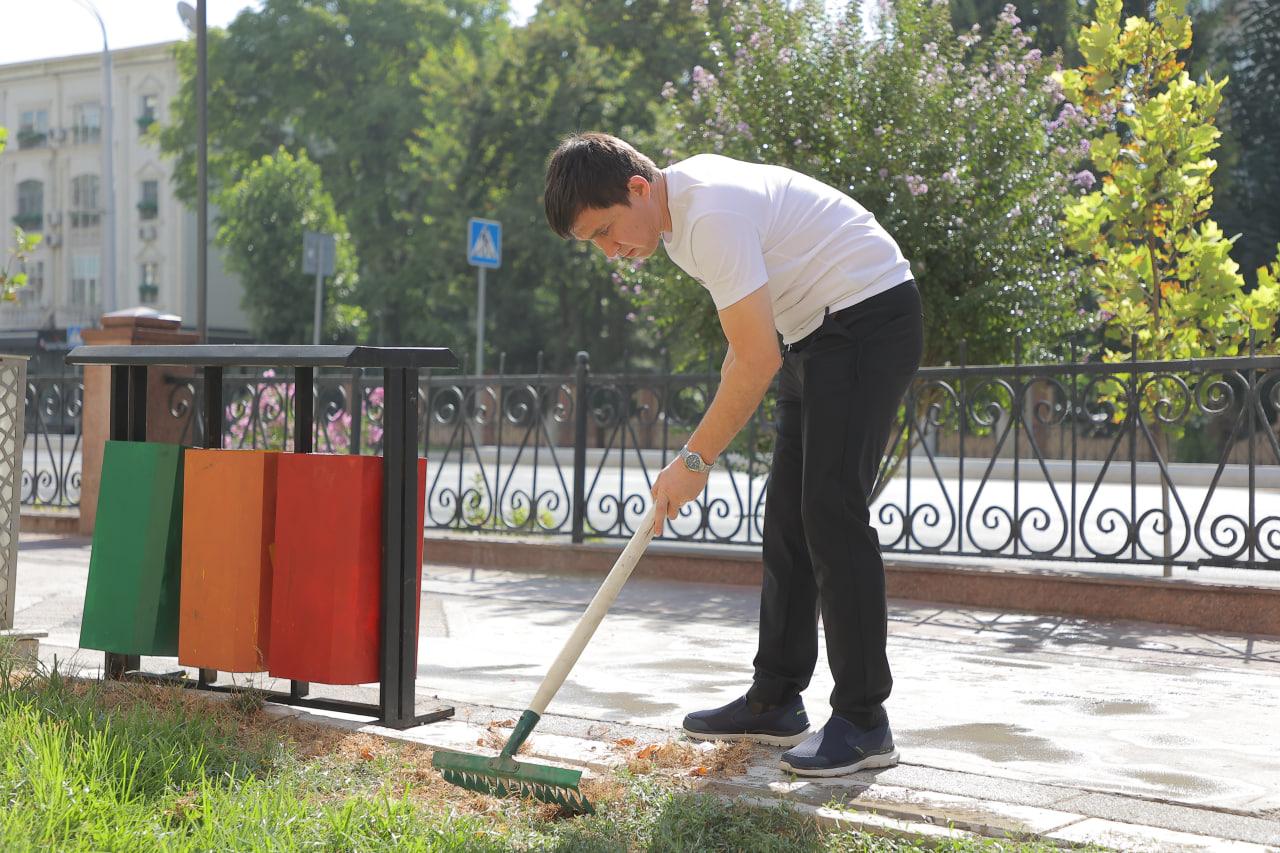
(737,227)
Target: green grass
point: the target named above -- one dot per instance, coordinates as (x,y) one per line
(92,766)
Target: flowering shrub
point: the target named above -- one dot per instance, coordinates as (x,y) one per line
(262,419)
(960,144)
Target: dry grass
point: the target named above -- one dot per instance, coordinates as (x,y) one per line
(681,758)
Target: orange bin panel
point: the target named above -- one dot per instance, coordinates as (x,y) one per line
(326,621)
(228,522)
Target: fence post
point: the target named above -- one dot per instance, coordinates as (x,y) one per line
(581,376)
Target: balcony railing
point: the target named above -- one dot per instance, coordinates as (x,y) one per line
(16,317)
(29,221)
(28,138)
(66,316)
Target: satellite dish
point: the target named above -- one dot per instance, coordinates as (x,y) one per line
(187,13)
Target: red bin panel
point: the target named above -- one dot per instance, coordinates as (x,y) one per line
(327,567)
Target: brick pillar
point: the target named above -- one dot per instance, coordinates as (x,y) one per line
(131,327)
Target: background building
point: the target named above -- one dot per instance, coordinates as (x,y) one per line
(51,181)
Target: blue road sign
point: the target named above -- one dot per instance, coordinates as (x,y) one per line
(484,243)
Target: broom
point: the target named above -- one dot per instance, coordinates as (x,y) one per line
(503,775)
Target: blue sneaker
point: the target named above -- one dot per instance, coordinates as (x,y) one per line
(785,725)
(841,748)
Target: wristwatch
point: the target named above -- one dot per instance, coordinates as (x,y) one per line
(693,461)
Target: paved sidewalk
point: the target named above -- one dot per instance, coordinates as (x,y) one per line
(1125,733)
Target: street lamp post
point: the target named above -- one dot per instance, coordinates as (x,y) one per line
(108,171)
(196,22)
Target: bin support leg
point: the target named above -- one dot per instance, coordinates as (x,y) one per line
(400,537)
(128,422)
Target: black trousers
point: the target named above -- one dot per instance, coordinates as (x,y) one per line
(837,402)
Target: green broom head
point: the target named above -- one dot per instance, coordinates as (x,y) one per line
(503,776)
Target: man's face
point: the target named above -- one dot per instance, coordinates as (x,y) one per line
(624,231)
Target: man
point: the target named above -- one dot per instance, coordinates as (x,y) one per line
(779,253)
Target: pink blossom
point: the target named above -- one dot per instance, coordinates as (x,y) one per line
(916,185)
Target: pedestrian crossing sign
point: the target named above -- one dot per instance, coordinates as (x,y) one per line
(484,243)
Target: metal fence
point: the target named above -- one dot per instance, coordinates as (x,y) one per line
(51,449)
(1161,463)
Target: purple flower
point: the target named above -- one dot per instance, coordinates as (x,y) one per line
(916,185)
(786,55)
(668,90)
(1010,15)
(631,316)
(1084,179)
(1084,147)
(698,7)
(883,173)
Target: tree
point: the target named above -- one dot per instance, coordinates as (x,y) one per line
(951,141)
(1161,267)
(263,217)
(576,65)
(1252,188)
(336,78)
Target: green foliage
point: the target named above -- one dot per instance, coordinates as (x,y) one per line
(947,139)
(263,218)
(1161,267)
(493,121)
(1052,25)
(1248,200)
(338,80)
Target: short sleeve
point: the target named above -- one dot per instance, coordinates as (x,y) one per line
(727,256)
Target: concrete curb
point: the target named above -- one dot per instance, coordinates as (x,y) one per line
(1169,601)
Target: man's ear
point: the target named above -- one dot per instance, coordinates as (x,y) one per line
(639,186)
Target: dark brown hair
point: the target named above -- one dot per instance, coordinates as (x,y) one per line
(590,170)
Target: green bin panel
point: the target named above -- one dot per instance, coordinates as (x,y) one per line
(131,602)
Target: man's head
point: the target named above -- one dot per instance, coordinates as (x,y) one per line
(601,189)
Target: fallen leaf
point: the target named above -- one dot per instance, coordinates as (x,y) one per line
(504,724)
(626,741)
(648,752)
(698,771)
(366,754)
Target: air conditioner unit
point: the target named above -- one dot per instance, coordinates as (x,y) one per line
(54,219)
(147,233)
(52,240)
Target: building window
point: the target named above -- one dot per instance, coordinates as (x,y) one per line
(33,128)
(30,206)
(150,204)
(149,288)
(84,280)
(86,123)
(33,292)
(149,112)
(85,212)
